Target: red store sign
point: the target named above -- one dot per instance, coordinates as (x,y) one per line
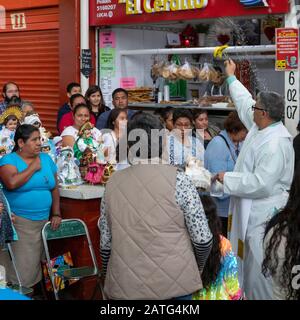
(110,12)
(287,49)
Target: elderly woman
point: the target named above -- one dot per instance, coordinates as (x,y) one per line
(206,130)
(27,107)
(221,155)
(81,116)
(153,238)
(181,143)
(30,186)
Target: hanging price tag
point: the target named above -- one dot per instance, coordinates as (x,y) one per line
(86,62)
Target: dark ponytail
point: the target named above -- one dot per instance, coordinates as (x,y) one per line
(213,263)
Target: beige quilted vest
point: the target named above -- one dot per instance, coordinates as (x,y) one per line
(152,256)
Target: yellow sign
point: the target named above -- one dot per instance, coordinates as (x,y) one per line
(140,6)
(285,34)
(280,64)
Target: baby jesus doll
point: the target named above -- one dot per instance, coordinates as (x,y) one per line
(85,140)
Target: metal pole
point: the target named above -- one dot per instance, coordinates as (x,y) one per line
(84,38)
(14,264)
(235,49)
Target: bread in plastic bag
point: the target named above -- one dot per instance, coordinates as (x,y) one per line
(185,72)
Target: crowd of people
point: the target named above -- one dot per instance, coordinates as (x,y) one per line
(161,236)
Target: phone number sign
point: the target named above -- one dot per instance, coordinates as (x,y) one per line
(287,49)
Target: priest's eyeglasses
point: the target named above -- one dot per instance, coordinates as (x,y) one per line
(254,107)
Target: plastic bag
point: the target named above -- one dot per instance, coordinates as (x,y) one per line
(204,72)
(165,70)
(156,69)
(173,71)
(185,72)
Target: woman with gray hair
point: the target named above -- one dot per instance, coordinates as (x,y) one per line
(155,237)
(27,108)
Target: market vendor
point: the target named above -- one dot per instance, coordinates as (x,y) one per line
(181,143)
(204,129)
(120,101)
(217,86)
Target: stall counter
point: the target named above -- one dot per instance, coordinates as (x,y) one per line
(82,192)
(83,202)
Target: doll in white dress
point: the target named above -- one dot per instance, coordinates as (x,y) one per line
(68,171)
(10,120)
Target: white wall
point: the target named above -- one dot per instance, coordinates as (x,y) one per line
(139,66)
(271,80)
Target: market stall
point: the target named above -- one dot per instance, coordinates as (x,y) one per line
(131,36)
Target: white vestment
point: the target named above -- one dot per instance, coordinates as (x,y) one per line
(258,187)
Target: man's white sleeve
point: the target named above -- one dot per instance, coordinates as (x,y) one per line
(242,100)
(259,183)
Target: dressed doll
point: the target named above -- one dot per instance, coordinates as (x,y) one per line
(68,171)
(2,151)
(35,120)
(108,171)
(86,159)
(10,119)
(95,173)
(86,140)
(46,148)
(57,141)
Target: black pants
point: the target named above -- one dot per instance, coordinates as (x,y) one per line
(224,221)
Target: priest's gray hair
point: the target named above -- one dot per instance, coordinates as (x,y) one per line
(273,103)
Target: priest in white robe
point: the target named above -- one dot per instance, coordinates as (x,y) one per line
(260,181)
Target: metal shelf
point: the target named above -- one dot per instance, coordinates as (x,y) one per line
(154,106)
(235,49)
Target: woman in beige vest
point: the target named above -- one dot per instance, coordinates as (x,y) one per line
(155,237)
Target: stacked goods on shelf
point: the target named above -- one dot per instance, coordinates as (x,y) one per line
(208,101)
(177,102)
(141,94)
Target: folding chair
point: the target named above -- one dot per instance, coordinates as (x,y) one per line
(17,287)
(70,228)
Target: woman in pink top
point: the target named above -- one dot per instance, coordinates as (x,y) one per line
(68,118)
(81,116)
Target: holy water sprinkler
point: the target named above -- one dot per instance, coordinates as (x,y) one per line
(218,52)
